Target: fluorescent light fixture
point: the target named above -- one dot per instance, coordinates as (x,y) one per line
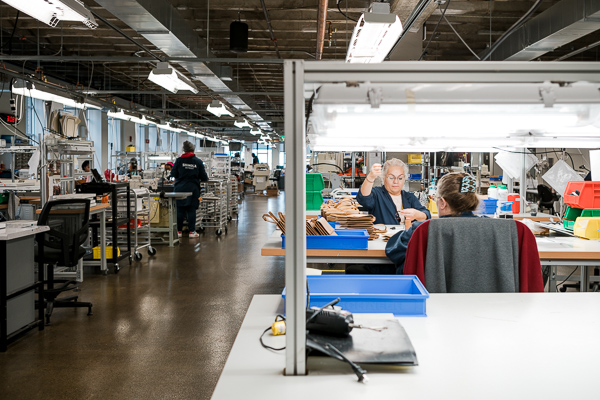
(242,123)
(217,108)
(44,93)
(169,78)
(121,114)
(374,35)
(165,126)
(52,12)
(419,117)
(159,158)
(255,131)
(197,135)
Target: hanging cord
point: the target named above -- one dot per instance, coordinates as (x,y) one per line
(513,28)
(461,39)
(9,40)
(343,13)
(434,29)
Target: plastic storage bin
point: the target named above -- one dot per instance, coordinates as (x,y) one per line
(570,216)
(587,227)
(415,159)
(414,176)
(588,197)
(489,206)
(314,200)
(314,183)
(109,252)
(402,295)
(347,239)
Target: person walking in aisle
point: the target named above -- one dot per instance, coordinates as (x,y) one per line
(188,172)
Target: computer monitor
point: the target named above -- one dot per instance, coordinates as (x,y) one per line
(96,175)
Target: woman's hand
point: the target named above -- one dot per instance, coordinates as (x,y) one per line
(414,214)
(375,172)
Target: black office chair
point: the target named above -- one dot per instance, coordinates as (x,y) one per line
(547,198)
(69,223)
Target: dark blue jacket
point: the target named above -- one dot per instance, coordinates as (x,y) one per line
(188,171)
(380,204)
(395,249)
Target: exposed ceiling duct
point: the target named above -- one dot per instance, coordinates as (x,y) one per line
(562,23)
(162,25)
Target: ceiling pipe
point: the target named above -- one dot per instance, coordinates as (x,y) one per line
(273,39)
(578,51)
(321,22)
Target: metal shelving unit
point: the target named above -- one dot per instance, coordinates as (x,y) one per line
(213,208)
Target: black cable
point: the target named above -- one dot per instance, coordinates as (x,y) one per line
(435,29)
(333,165)
(332,351)
(513,28)
(567,278)
(13,31)
(269,328)
(309,108)
(343,13)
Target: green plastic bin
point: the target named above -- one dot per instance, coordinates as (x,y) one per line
(314,200)
(314,183)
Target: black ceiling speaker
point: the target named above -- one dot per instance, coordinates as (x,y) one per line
(238,36)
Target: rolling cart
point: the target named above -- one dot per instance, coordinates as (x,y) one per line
(213,207)
(140,223)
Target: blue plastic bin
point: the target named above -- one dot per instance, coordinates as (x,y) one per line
(402,295)
(490,206)
(349,239)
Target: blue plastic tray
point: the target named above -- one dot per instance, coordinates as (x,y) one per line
(402,295)
(349,239)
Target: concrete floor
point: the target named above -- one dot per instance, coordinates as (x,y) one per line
(162,328)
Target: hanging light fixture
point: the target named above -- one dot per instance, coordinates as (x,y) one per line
(217,108)
(169,78)
(242,123)
(52,12)
(29,89)
(375,33)
(121,114)
(255,131)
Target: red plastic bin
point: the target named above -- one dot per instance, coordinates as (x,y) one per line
(588,197)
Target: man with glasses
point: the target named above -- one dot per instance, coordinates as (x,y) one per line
(389,203)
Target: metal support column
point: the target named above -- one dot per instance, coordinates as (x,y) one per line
(295,217)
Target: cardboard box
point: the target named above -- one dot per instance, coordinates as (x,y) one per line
(241,187)
(248,180)
(272,191)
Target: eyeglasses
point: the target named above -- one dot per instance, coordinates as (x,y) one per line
(393,178)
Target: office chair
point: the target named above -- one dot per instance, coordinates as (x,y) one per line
(474,255)
(69,223)
(547,198)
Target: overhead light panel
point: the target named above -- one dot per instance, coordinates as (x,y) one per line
(255,131)
(122,115)
(52,12)
(217,108)
(375,33)
(169,78)
(242,123)
(24,88)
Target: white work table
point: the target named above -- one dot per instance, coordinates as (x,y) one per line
(470,346)
(10,233)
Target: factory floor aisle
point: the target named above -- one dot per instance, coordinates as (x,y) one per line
(162,328)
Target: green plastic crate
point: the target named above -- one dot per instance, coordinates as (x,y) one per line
(572,213)
(590,212)
(3,198)
(314,200)
(314,183)
(568,224)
